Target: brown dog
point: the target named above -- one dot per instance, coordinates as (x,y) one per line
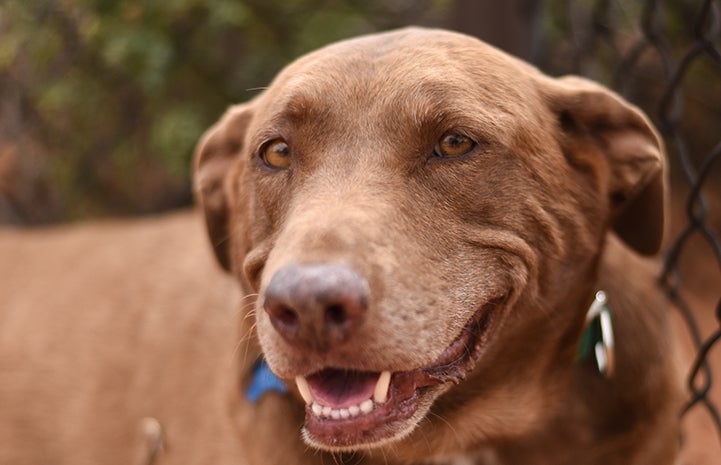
(419,224)
(426,221)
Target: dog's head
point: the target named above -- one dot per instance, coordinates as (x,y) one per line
(416,209)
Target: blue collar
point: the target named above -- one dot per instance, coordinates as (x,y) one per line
(263,381)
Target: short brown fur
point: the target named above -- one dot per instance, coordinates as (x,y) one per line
(561,195)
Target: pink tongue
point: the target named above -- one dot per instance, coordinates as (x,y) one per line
(342,388)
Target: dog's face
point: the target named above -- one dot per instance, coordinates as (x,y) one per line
(415,210)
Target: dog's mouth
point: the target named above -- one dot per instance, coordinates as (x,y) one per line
(347,409)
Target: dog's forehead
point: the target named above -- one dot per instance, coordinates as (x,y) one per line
(415,69)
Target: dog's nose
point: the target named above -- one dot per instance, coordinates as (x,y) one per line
(318,305)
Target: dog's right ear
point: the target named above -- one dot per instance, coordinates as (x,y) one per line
(214,156)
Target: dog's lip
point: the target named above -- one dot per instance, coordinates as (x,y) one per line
(363,417)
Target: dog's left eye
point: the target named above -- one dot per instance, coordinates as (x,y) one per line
(452,144)
(276,154)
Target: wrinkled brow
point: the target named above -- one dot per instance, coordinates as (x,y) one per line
(440,107)
(399,106)
(304,101)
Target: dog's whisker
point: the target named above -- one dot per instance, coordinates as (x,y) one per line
(249,296)
(385,457)
(336,459)
(245,340)
(426,420)
(317,453)
(236,349)
(447,423)
(246,312)
(247,344)
(247,302)
(249,312)
(221,240)
(249,332)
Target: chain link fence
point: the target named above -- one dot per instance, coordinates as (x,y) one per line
(665,57)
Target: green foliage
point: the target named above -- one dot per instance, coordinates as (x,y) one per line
(119,92)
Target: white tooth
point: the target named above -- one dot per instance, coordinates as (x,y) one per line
(354,410)
(304,389)
(326,411)
(344,413)
(317,409)
(380,395)
(335,414)
(366,406)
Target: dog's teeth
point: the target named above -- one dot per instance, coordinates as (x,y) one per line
(304,389)
(343,413)
(380,395)
(366,406)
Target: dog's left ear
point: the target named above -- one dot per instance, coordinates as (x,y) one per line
(595,120)
(214,157)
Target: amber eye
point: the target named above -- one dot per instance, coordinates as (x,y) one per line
(452,144)
(276,154)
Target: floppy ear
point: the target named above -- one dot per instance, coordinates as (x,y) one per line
(215,154)
(595,120)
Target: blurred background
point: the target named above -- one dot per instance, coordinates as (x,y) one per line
(103,101)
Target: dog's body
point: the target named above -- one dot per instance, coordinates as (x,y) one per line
(107,329)
(424,222)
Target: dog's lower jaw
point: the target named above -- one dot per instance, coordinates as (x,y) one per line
(410,413)
(409,398)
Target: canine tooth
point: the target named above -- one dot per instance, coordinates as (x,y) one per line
(326,411)
(354,410)
(317,409)
(380,395)
(304,389)
(335,414)
(366,406)
(344,413)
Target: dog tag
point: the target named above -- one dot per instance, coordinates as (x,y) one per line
(597,339)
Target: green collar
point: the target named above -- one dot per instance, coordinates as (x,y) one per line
(597,338)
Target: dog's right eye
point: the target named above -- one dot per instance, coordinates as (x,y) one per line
(453,144)
(276,154)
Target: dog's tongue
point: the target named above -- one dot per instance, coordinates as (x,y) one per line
(341,388)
